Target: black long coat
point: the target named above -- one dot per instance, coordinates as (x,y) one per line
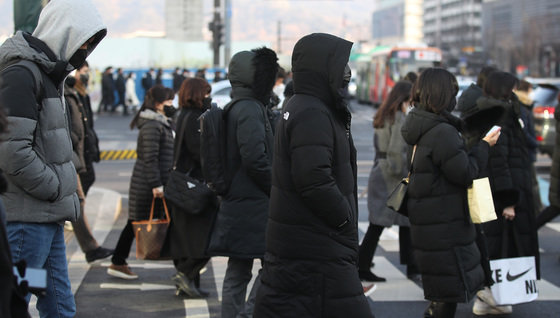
(443,235)
(312,235)
(151,170)
(188,234)
(509,171)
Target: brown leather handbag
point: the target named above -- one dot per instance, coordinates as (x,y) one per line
(150,234)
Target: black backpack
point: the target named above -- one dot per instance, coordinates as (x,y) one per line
(213,148)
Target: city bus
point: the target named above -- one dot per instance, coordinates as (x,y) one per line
(379,69)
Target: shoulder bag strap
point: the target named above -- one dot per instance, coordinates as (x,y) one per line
(411,162)
(181,133)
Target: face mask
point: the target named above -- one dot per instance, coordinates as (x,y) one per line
(169,110)
(346,76)
(78,58)
(84,78)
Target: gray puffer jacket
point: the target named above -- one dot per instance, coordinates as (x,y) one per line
(36,152)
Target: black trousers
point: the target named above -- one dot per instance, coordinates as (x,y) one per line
(549,213)
(371,240)
(123,245)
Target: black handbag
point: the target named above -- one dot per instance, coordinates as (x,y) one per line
(397,199)
(184,192)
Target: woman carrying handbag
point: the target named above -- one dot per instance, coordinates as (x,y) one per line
(151,170)
(390,166)
(188,233)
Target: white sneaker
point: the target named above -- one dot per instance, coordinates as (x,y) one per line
(481,308)
(486,296)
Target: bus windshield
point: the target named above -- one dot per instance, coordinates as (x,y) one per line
(402,61)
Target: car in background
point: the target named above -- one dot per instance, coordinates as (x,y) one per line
(221,93)
(545,100)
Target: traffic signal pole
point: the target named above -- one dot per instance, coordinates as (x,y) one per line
(216,27)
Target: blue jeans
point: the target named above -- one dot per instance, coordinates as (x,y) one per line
(42,245)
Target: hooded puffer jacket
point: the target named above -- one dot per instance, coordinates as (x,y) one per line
(312,234)
(239,230)
(36,152)
(442,233)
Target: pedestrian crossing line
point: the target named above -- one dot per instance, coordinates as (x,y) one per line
(398,286)
(118,154)
(389,239)
(196,308)
(554,225)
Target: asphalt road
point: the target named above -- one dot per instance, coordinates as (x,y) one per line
(152,295)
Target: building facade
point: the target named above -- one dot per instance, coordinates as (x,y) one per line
(397,21)
(455,26)
(184,20)
(523,35)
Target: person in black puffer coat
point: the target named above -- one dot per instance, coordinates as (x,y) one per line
(188,234)
(312,234)
(239,230)
(443,236)
(155,158)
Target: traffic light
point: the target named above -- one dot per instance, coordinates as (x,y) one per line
(217,29)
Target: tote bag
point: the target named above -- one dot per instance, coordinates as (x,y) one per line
(481,204)
(150,234)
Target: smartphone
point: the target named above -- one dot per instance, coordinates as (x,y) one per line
(493,129)
(36,279)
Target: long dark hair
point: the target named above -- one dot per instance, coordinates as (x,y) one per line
(192,92)
(500,85)
(435,90)
(155,95)
(399,94)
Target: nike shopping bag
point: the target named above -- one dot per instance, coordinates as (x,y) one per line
(516,280)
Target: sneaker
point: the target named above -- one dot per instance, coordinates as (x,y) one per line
(98,253)
(121,271)
(370,277)
(369,289)
(481,308)
(186,285)
(486,296)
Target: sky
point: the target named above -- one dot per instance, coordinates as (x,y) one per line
(251,19)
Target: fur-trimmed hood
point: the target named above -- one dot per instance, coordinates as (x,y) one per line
(253,73)
(148,114)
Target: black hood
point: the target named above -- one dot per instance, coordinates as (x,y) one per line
(253,73)
(486,113)
(419,121)
(318,63)
(468,98)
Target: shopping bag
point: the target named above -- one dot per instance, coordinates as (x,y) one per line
(481,204)
(515,280)
(150,234)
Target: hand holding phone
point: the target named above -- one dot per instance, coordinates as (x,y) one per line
(492,136)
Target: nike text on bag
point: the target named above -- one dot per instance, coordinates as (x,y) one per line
(481,204)
(516,280)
